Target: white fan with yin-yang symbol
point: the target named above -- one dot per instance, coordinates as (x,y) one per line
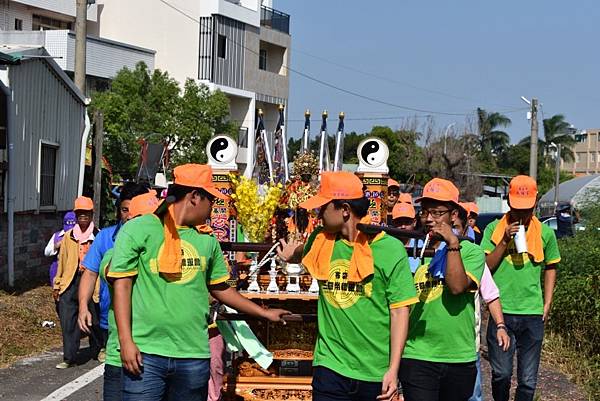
(372,155)
(221,151)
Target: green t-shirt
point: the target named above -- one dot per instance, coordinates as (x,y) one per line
(354,319)
(169,312)
(442,325)
(113,355)
(518,277)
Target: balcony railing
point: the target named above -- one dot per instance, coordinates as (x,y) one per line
(275,19)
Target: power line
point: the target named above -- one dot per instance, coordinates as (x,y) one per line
(386,79)
(324,83)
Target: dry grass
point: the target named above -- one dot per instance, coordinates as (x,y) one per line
(21,331)
(580,369)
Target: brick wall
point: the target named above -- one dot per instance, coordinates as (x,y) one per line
(32,233)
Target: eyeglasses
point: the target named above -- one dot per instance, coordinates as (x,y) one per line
(434,213)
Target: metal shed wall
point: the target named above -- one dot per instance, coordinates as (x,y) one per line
(46,110)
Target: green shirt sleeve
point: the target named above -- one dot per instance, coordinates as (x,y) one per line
(127,250)
(486,242)
(400,290)
(311,239)
(217,269)
(473,259)
(551,252)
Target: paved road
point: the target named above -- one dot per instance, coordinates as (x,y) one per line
(35,378)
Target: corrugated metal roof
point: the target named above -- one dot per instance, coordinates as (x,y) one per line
(27,53)
(574,191)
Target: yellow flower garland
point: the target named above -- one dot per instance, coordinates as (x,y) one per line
(255,205)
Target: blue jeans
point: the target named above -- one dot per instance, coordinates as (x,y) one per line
(526,334)
(112,383)
(477,394)
(328,385)
(171,379)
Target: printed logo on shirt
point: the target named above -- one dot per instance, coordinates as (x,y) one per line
(428,287)
(191,264)
(514,258)
(338,292)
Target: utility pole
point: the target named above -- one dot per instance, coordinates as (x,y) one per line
(557,177)
(533,157)
(80,42)
(98,139)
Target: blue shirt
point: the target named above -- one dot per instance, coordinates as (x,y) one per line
(104,241)
(412,261)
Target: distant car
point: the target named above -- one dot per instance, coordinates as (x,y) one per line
(551,222)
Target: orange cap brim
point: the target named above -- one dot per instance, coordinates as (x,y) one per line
(314,202)
(440,199)
(521,203)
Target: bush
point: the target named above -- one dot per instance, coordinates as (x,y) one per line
(576,309)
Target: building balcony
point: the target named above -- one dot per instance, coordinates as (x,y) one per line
(65,7)
(275,19)
(104,57)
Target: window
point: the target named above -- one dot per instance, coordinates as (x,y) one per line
(262,60)
(18,24)
(47,174)
(222,46)
(593,157)
(41,23)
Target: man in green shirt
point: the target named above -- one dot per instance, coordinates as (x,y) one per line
(440,354)
(365,288)
(518,277)
(163,269)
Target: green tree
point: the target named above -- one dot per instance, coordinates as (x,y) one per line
(144,104)
(557,131)
(406,157)
(492,139)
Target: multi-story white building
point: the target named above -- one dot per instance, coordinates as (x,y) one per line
(586,152)
(50,24)
(239,47)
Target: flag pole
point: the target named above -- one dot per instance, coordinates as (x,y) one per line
(339,145)
(324,148)
(306,134)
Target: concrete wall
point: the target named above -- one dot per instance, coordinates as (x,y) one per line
(65,7)
(173,35)
(266,82)
(9,11)
(32,232)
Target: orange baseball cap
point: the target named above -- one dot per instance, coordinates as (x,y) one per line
(473,208)
(83,203)
(143,204)
(335,185)
(440,190)
(393,183)
(405,198)
(197,176)
(403,210)
(466,206)
(522,192)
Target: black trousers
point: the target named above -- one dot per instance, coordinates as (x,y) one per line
(437,381)
(68,311)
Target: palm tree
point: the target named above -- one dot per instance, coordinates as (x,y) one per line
(557,131)
(492,139)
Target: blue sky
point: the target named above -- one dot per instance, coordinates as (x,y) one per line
(476,53)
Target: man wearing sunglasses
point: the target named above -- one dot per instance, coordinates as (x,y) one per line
(439,358)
